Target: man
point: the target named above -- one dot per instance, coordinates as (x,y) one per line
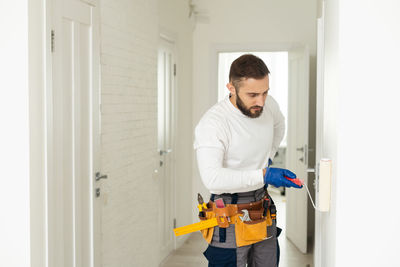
(235,142)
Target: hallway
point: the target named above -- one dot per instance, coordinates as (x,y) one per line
(190,254)
(95,174)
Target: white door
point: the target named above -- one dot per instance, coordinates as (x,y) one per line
(166,113)
(297,146)
(75,121)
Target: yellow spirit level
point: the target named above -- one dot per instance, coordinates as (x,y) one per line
(195,227)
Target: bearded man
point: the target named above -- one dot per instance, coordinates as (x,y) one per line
(235,142)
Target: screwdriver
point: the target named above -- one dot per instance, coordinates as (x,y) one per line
(296,181)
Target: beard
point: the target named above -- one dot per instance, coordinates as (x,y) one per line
(248,111)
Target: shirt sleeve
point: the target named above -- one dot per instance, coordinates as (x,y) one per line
(279,127)
(220,180)
(209,135)
(211,143)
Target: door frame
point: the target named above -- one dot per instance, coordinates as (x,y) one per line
(240,47)
(243,47)
(319,129)
(96,136)
(297,199)
(171,38)
(39,73)
(52,188)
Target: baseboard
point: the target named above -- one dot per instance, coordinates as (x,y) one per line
(180,240)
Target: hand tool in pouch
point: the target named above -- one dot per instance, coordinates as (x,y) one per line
(202,206)
(266,204)
(204,224)
(219,203)
(245,217)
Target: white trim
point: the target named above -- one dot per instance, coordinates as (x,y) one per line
(217,48)
(49,134)
(96,223)
(319,129)
(77,11)
(171,39)
(55,230)
(93,3)
(55,238)
(37,115)
(168,36)
(180,241)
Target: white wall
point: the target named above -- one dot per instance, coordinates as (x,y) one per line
(248,25)
(14,135)
(37,101)
(361,133)
(174,22)
(327,221)
(130,33)
(129,39)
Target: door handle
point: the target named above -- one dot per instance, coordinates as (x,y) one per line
(99,176)
(164,152)
(304,149)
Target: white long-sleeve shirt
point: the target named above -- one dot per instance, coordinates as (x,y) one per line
(232,149)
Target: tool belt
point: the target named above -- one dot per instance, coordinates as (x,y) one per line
(261,214)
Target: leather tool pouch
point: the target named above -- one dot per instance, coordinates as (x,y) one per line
(247,233)
(222,215)
(269,218)
(250,232)
(251,206)
(225,216)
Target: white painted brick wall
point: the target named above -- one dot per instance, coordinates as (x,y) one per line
(129,38)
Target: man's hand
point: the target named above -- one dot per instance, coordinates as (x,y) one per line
(279,177)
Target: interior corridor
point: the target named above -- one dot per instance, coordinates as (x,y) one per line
(86,180)
(190,254)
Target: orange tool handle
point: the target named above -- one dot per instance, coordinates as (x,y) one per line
(295,180)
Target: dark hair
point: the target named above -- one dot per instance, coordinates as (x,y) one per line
(247,66)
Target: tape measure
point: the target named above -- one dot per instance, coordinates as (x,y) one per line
(195,227)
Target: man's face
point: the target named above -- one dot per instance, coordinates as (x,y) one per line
(250,96)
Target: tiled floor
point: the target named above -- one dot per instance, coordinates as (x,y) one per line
(190,254)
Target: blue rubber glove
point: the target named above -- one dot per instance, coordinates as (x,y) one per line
(276,177)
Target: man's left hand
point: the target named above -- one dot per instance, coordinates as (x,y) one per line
(278,177)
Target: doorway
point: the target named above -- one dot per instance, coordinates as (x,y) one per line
(166,143)
(74,137)
(289,87)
